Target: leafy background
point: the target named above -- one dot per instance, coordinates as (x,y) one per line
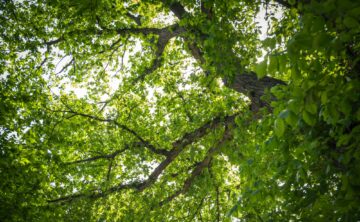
(179,111)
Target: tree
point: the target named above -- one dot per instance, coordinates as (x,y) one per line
(178,111)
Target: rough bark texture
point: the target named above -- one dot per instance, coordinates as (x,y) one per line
(201,165)
(254,88)
(246,83)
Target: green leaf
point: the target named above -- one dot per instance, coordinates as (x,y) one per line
(294,105)
(155,139)
(279,127)
(351,22)
(273,65)
(311,106)
(291,119)
(292,2)
(269,42)
(260,69)
(309,118)
(295,73)
(282,63)
(321,40)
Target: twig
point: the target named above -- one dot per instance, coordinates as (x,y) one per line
(178,147)
(109,170)
(107,156)
(66,66)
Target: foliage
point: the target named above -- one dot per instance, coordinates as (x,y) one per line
(178,111)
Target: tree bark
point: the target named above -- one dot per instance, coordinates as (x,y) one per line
(244,82)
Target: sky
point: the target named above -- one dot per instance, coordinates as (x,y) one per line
(81,91)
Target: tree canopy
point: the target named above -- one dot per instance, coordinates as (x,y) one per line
(146,110)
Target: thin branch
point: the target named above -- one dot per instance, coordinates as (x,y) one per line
(199,168)
(200,217)
(180,144)
(123,54)
(42,63)
(120,31)
(178,147)
(109,170)
(217,204)
(45,59)
(164,36)
(186,170)
(187,113)
(55,41)
(198,209)
(67,198)
(217,194)
(113,45)
(66,66)
(61,60)
(112,53)
(144,142)
(106,156)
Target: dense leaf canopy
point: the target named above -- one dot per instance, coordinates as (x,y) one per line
(145,110)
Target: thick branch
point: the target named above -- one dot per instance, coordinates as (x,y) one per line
(200,167)
(136,19)
(250,85)
(244,82)
(177,9)
(165,35)
(178,147)
(207,11)
(180,144)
